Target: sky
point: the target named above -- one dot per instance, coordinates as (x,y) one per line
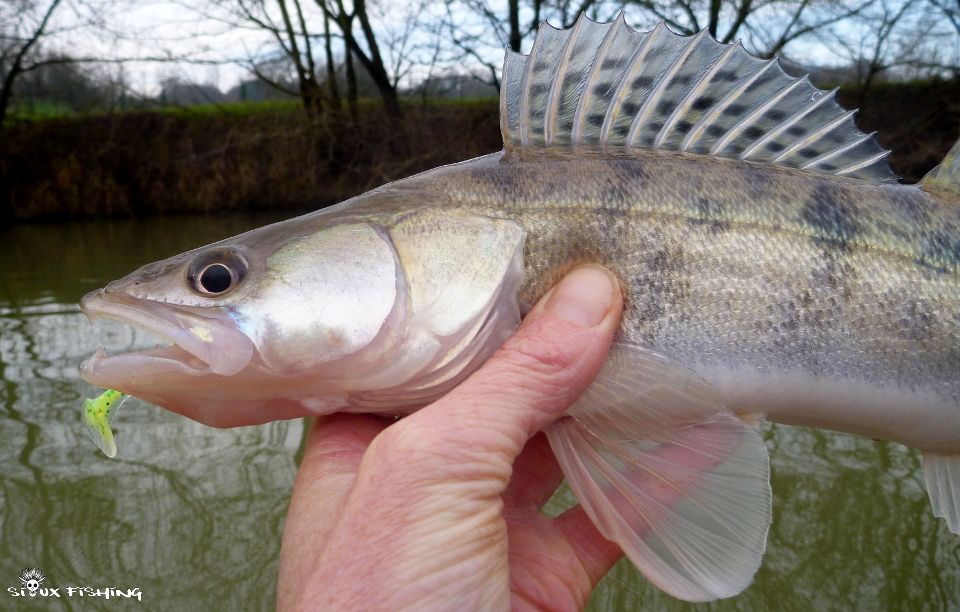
(212,51)
(159,29)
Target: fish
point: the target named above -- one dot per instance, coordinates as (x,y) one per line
(98,414)
(772,268)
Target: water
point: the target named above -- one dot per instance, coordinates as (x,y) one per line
(192,516)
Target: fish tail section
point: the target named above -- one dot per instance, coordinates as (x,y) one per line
(946,176)
(942,474)
(669,474)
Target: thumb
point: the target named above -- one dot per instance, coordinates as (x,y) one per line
(540,370)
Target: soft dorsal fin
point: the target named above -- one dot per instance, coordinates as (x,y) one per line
(609,85)
(946,176)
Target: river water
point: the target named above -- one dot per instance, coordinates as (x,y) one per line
(190,517)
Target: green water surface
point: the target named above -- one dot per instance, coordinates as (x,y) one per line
(192,516)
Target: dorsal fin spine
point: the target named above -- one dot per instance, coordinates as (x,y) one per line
(785,125)
(505,130)
(579,115)
(607,85)
(799,144)
(624,86)
(525,100)
(662,87)
(709,118)
(705,79)
(525,93)
(728,100)
(945,178)
(828,156)
(759,112)
(553,100)
(864,163)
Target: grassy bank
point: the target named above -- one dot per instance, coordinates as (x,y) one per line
(205,160)
(259,157)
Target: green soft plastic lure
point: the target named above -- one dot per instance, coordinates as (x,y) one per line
(98,414)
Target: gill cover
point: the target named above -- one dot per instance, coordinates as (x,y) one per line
(388,313)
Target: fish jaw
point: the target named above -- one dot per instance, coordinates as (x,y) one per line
(202,342)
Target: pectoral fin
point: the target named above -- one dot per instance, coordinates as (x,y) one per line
(942,473)
(669,474)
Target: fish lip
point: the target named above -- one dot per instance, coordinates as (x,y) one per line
(202,340)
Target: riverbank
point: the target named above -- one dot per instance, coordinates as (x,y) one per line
(268,158)
(272,157)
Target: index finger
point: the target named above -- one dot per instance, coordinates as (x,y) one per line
(334,449)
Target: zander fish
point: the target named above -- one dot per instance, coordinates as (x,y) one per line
(770,262)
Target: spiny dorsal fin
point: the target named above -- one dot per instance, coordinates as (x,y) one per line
(946,176)
(609,85)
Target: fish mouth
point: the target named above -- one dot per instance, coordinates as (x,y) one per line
(202,341)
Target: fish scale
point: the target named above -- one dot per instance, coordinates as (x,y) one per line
(836,241)
(771,268)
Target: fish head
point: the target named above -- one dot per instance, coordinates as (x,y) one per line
(251,319)
(307,318)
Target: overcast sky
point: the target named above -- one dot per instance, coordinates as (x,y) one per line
(156,28)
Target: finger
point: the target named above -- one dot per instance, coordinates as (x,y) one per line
(536,477)
(540,370)
(335,447)
(595,553)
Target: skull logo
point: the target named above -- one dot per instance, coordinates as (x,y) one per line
(31,578)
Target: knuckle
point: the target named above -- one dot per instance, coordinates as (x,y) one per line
(540,349)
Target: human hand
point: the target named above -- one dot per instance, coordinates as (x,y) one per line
(440,510)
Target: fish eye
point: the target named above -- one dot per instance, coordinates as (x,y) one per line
(216,271)
(215,278)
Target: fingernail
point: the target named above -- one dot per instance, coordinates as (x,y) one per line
(584,296)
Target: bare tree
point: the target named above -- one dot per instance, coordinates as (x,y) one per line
(767,26)
(288,28)
(895,39)
(874,50)
(479,30)
(43,35)
(388,40)
(22,26)
(950,9)
(304,33)
(691,16)
(368,52)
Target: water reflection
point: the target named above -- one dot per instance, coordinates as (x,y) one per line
(192,516)
(852,530)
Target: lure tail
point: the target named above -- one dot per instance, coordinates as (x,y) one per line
(98,414)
